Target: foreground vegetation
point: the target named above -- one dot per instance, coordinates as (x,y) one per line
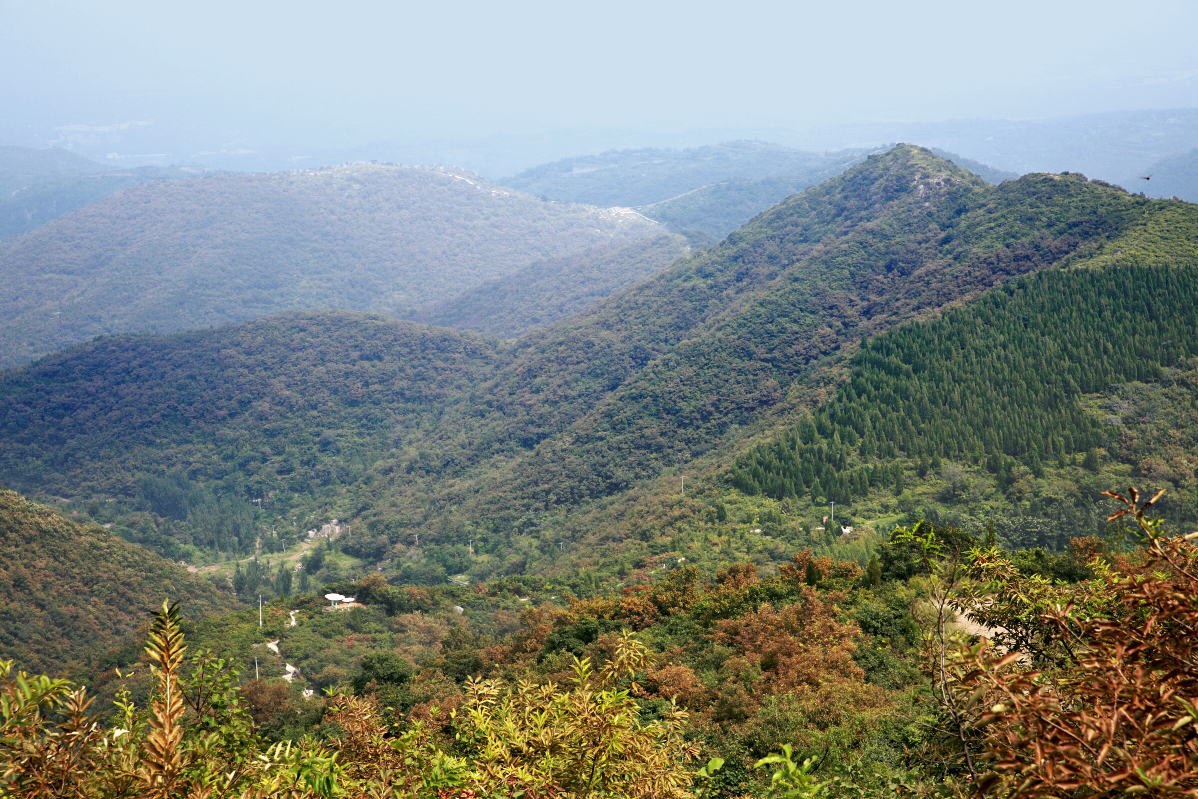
(945,668)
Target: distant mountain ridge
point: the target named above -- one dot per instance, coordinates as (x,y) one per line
(27,161)
(177,255)
(986,172)
(37,186)
(644,176)
(1107,145)
(720,208)
(710,190)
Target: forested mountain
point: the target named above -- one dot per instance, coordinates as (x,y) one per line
(179,255)
(37,186)
(641,177)
(457,455)
(293,404)
(1009,408)
(1176,176)
(657,374)
(555,288)
(71,591)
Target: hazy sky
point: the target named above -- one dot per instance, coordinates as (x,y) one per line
(252,74)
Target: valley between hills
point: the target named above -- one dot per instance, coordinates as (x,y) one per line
(597,477)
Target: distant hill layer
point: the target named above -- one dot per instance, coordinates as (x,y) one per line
(986,172)
(69,592)
(37,186)
(51,161)
(709,190)
(1176,176)
(645,176)
(180,255)
(720,208)
(550,290)
(412,430)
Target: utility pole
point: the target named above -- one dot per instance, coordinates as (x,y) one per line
(259,610)
(833,512)
(255,668)
(684,485)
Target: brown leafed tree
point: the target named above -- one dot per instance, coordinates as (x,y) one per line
(1121,719)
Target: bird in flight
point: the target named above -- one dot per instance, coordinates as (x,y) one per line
(1147,177)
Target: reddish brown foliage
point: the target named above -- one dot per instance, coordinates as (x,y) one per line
(801,645)
(1121,720)
(678,682)
(637,608)
(738,576)
(265,701)
(837,572)
(538,623)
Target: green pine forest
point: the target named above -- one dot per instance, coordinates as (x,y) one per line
(1001,384)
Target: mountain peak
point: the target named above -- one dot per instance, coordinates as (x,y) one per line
(905,176)
(910,169)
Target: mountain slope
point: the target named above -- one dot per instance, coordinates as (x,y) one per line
(291,399)
(645,176)
(720,208)
(183,255)
(902,233)
(1004,391)
(72,591)
(554,289)
(29,162)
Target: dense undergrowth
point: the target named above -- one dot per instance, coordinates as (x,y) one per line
(932,672)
